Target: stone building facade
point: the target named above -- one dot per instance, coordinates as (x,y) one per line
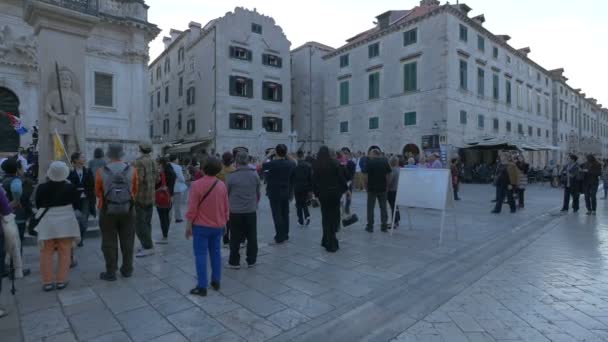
(222,86)
(434,79)
(114,56)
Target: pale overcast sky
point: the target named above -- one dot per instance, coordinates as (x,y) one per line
(561,33)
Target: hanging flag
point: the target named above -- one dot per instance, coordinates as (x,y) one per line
(16,123)
(58,149)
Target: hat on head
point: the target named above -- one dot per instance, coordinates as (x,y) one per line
(145,147)
(115,151)
(58,171)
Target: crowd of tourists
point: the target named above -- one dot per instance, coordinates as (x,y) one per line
(221,194)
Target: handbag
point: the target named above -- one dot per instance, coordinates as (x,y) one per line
(162,197)
(347,221)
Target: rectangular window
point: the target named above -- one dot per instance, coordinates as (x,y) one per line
(190,96)
(272,91)
(520,96)
(508,126)
(241,86)
(180,87)
(463,75)
(480,82)
(167,94)
(151,102)
(463,33)
(410,37)
(508,91)
(495,52)
(409,119)
(167,66)
(180,55)
(480,121)
(495,89)
(529,100)
(538,105)
(179,120)
(508,59)
(530,131)
(374,85)
(481,43)
(166,126)
(158,99)
(374,123)
(344,127)
(241,121)
(373,50)
(547,134)
(256,28)
(272,124)
(495,124)
(539,132)
(104,90)
(272,60)
(410,77)
(344,61)
(240,53)
(344,90)
(158,73)
(520,129)
(190,126)
(463,117)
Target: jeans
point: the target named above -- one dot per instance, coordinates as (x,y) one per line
(227,233)
(207,240)
(371,204)
(502,193)
(591,196)
(117,229)
(244,226)
(455,188)
(301,206)
(330,218)
(570,192)
(143,225)
(164,216)
(177,206)
(82,216)
(392,197)
(279,205)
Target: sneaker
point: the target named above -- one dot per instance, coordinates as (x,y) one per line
(179,221)
(142,253)
(234,267)
(307,223)
(107,276)
(163,241)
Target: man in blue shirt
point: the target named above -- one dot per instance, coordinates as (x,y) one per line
(279,188)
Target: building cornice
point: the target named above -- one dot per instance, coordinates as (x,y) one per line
(410,56)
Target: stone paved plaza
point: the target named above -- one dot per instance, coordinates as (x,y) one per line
(531,276)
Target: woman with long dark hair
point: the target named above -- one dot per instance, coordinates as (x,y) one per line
(166,183)
(329,184)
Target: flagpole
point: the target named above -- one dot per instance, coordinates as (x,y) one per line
(65,152)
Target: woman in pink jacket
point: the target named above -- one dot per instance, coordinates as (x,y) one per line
(206,217)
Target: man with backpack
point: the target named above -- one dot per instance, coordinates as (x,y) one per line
(116,186)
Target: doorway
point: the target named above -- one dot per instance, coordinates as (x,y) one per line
(9,103)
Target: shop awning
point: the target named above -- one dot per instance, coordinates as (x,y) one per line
(491,143)
(186,147)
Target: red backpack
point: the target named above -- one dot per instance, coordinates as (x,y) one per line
(162,195)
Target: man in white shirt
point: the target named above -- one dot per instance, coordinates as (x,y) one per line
(179,189)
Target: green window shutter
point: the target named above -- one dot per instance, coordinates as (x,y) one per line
(280,93)
(410,77)
(374,86)
(249,57)
(280,62)
(409,119)
(232,54)
(249,88)
(232,82)
(265,59)
(344,90)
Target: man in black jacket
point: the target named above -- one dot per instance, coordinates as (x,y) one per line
(83,179)
(277,173)
(302,186)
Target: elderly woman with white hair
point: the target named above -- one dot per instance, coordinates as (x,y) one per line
(58,228)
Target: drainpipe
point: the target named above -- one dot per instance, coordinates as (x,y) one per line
(310,98)
(215,89)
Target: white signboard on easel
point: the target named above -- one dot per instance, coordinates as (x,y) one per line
(426,189)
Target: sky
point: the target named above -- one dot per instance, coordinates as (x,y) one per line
(561,33)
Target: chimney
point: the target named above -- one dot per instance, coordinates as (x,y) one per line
(174,34)
(480,19)
(195,29)
(505,38)
(525,51)
(167,42)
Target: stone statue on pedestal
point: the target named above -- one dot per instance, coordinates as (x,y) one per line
(64,110)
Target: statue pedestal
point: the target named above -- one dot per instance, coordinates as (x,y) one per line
(62,35)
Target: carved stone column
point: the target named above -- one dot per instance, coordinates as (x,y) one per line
(62,31)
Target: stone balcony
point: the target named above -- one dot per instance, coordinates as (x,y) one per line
(90,7)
